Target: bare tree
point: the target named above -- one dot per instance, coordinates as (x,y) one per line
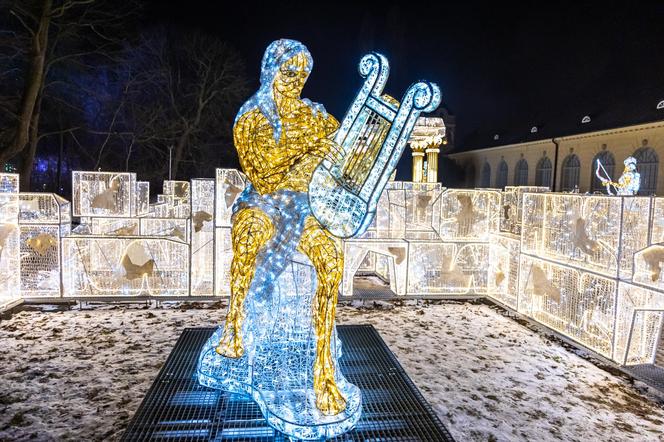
(41,37)
(183,93)
(75,74)
(35,20)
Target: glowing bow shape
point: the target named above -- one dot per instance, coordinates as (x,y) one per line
(606,181)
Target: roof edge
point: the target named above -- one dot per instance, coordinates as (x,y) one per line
(620,129)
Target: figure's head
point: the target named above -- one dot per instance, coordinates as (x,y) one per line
(630,163)
(286,67)
(292,75)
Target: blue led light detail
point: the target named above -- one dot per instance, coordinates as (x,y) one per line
(277,367)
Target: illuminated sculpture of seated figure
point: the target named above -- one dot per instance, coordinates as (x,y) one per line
(280,139)
(628,183)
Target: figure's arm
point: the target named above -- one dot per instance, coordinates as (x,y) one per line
(626,181)
(330,125)
(325,147)
(606,182)
(255,143)
(301,136)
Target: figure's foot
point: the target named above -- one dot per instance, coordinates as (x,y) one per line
(328,398)
(230,345)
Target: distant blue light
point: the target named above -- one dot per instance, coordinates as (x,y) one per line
(42,165)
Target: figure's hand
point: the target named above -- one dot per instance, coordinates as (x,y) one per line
(328,149)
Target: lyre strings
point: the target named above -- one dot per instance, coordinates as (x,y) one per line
(365,147)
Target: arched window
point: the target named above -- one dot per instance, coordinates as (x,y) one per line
(486,175)
(647,164)
(543,172)
(501,176)
(608,162)
(571,168)
(470,176)
(521,173)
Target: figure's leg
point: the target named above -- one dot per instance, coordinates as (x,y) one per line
(326,255)
(251,230)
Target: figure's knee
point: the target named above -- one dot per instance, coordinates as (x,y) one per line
(251,229)
(333,259)
(323,250)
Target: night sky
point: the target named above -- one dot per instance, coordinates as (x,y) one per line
(496,65)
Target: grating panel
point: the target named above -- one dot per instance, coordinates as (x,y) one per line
(649,373)
(376,292)
(176,408)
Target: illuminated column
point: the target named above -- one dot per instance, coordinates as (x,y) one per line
(418,164)
(426,138)
(432,164)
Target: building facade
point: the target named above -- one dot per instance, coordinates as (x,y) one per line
(568,162)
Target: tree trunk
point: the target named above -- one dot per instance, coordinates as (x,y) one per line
(33,85)
(29,153)
(60,154)
(179,150)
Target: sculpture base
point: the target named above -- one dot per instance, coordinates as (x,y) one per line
(291,409)
(277,367)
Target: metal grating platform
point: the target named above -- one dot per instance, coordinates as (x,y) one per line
(649,373)
(176,408)
(373,293)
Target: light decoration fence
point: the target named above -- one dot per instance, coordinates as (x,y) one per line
(125,266)
(453,261)
(113,226)
(202,236)
(511,210)
(503,278)
(596,233)
(10,255)
(174,228)
(577,304)
(638,324)
(177,194)
(44,220)
(590,267)
(589,270)
(426,241)
(229,184)
(657,229)
(109,194)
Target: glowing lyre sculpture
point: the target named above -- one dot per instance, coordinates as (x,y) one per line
(343,194)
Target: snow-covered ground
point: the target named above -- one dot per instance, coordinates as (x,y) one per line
(81,374)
